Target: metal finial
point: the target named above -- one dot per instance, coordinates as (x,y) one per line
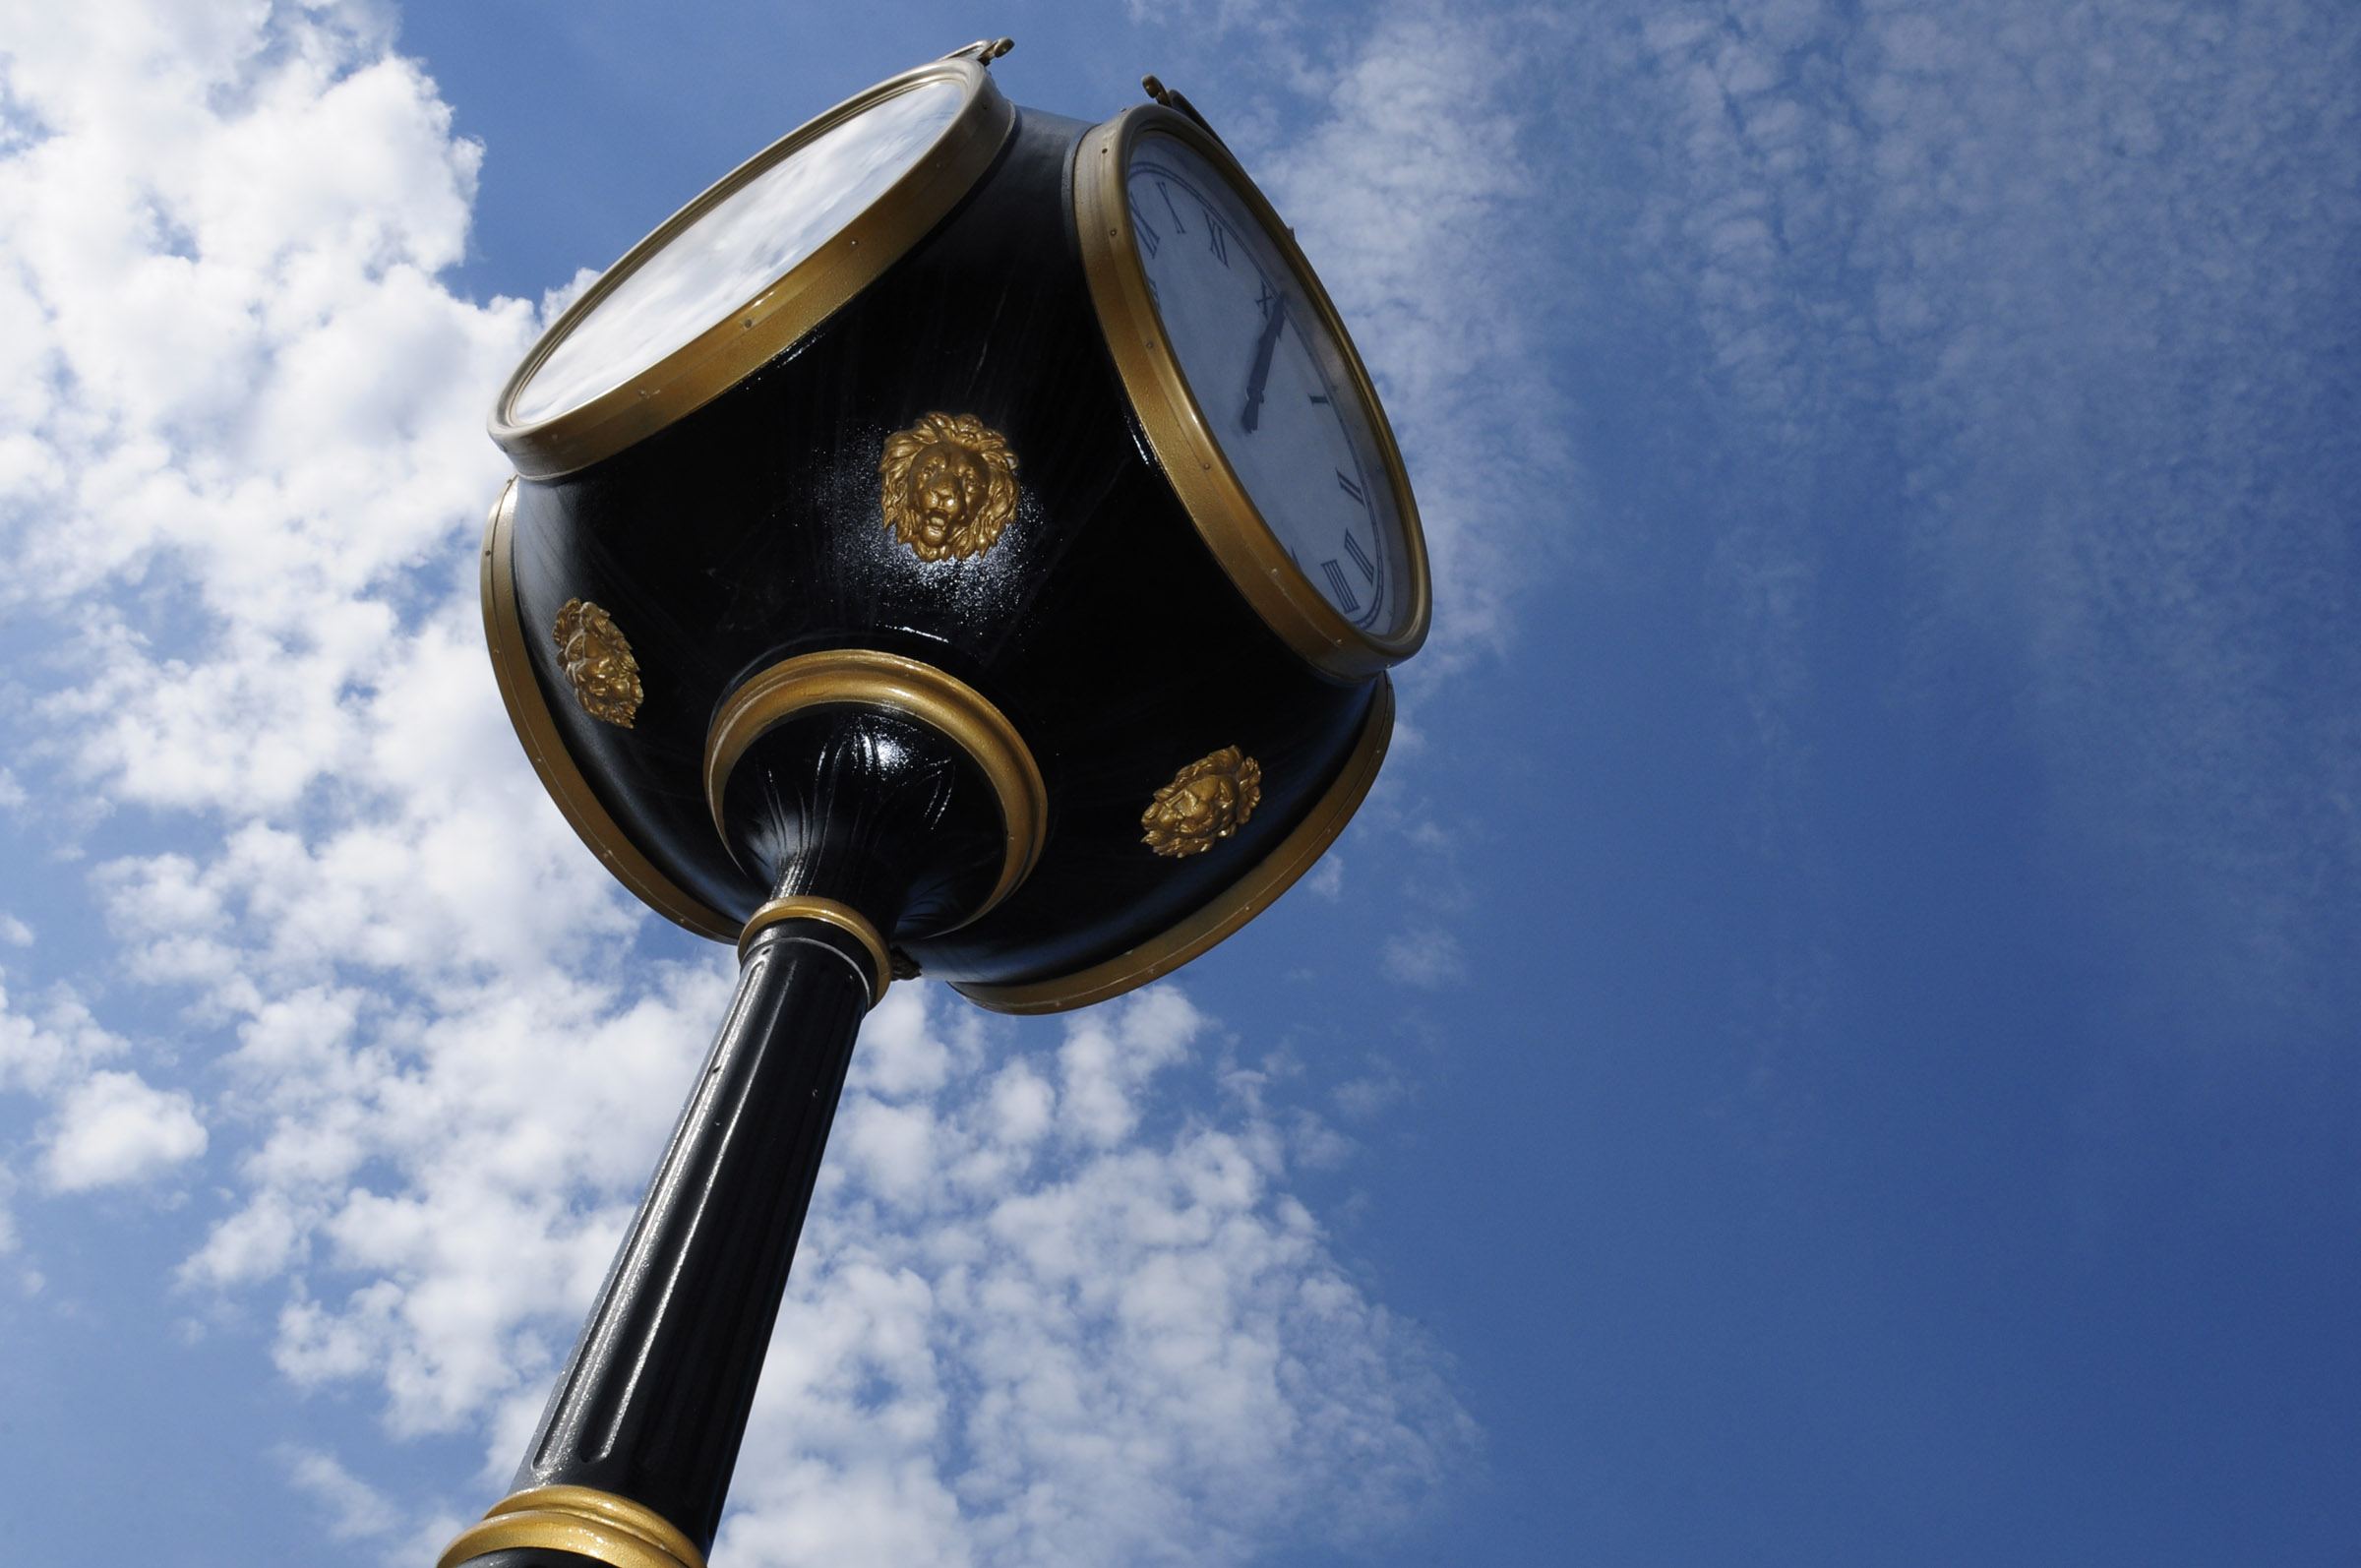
(1154,86)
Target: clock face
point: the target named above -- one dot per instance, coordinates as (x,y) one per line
(747,236)
(1276,388)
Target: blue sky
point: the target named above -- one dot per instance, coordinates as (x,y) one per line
(1832,1042)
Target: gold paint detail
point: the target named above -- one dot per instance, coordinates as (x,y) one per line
(597,659)
(545,745)
(864,677)
(1182,436)
(1205,803)
(1228,910)
(947,486)
(788,308)
(581,1520)
(844,917)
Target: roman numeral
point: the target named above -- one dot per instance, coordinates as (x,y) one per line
(1149,239)
(1178,228)
(1359,559)
(1219,244)
(1264,298)
(1317,398)
(1339,587)
(1351,489)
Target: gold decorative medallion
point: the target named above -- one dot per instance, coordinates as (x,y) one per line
(1206,802)
(949,485)
(598,662)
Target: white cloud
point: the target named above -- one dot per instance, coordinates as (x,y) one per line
(1327,878)
(1428,957)
(114,1130)
(354,1509)
(1055,1339)
(1412,197)
(15,932)
(249,469)
(47,1053)
(2066,291)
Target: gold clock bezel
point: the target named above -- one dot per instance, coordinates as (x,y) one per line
(1182,438)
(786,307)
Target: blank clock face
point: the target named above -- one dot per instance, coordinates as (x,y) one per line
(1271,381)
(744,241)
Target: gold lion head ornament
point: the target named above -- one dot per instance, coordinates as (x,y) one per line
(598,664)
(949,486)
(1205,803)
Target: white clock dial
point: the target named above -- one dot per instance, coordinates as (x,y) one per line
(737,247)
(1271,383)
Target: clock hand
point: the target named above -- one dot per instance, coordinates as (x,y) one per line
(1261,372)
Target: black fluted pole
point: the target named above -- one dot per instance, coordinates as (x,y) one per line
(653,1404)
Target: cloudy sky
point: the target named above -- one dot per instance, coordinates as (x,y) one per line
(1833,1041)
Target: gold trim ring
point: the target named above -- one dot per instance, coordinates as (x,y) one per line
(581,1520)
(1229,909)
(545,746)
(864,677)
(786,307)
(844,917)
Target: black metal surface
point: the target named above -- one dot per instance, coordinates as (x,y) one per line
(870,809)
(1100,623)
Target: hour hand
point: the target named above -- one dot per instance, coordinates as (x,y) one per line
(1263,346)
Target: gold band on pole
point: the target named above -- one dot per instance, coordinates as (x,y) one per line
(844,917)
(865,678)
(581,1520)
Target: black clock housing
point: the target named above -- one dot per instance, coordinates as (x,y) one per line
(748,530)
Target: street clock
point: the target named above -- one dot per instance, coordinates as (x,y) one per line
(961,541)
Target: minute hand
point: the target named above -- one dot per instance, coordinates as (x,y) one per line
(1263,346)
